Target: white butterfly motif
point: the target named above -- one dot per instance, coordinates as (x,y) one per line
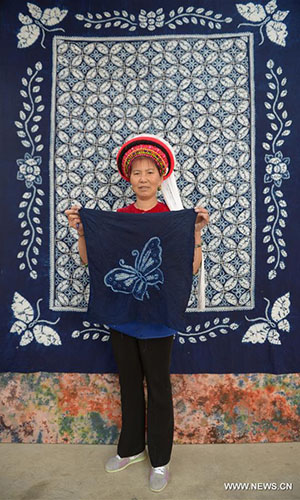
(266,330)
(26,322)
(268,17)
(40,23)
(135,280)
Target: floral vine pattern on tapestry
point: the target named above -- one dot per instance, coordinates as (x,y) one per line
(103,97)
(276,169)
(266,328)
(32,28)
(153,20)
(268,17)
(92,331)
(29,170)
(32,328)
(221,325)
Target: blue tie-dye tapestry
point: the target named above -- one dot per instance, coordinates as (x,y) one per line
(219,81)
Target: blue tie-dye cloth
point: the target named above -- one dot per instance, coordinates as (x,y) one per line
(219,81)
(141,268)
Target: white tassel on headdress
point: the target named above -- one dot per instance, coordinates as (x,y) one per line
(172,198)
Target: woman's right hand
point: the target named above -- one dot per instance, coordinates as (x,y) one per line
(74,218)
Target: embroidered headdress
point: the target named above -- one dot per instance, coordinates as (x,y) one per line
(146,146)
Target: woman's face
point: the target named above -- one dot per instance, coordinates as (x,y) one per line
(145,178)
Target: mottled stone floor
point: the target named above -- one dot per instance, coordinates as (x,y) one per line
(198,472)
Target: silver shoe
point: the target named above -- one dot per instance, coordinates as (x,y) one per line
(117,463)
(159,477)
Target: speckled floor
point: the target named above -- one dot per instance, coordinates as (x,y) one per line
(76,472)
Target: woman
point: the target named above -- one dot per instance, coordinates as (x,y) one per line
(139,349)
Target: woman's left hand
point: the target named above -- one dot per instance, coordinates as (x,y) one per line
(202,218)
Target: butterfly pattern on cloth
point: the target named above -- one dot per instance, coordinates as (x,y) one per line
(24,313)
(135,280)
(266,329)
(39,22)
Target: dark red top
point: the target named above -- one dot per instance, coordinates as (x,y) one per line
(131,209)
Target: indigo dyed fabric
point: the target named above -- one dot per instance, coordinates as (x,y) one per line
(220,82)
(140,266)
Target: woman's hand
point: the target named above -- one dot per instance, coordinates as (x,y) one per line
(74,218)
(202,218)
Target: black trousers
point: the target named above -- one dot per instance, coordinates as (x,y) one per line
(136,358)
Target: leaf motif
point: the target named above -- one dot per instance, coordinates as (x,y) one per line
(284,325)
(280,15)
(257,333)
(251,12)
(24,19)
(273,337)
(27,337)
(22,308)
(28,35)
(277,32)
(34,10)
(281,307)
(53,16)
(18,327)
(46,335)
(271,6)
